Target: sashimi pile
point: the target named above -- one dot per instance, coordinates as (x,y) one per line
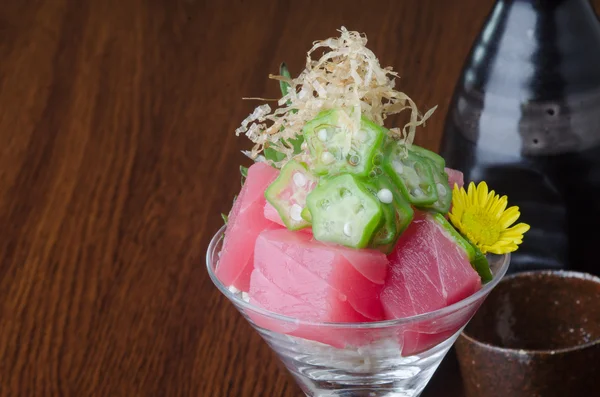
(343,220)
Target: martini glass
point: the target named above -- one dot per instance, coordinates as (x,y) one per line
(389,358)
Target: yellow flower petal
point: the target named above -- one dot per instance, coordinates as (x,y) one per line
(465,198)
(458,200)
(508,235)
(505,242)
(499,206)
(472,194)
(482,193)
(490,200)
(503,250)
(509,217)
(492,204)
(482,217)
(511,240)
(453,218)
(459,203)
(521,228)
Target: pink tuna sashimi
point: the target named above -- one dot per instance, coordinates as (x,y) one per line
(455,177)
(409,291)
(413,338)
(419,338)
(246,221)
(271,214)
(263,293)
(319,274)
(428,256)
(428,271)
(424,335)
(371,264)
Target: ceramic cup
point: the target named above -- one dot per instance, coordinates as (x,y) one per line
(536,335)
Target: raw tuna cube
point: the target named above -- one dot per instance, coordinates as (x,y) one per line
(265,294)
(324,304)
(246,221)
(424,335)
(428,271)
(410,292)
(454,176)
(372,264)
(321,274)
(271,214)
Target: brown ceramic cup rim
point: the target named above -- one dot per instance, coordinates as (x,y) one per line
(541,352)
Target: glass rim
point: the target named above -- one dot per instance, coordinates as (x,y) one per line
(486,288)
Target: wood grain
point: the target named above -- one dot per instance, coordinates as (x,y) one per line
(117,155)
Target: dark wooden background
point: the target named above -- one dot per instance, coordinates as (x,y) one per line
(117,155)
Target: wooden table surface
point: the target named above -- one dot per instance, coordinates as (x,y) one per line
(117,156)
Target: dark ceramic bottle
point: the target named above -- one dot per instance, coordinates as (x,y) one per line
(525,117)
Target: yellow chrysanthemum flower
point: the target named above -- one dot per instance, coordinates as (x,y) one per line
(482,217)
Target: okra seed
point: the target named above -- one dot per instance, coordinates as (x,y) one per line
(441,189)
(348,229)
(296,212)
(377,159)
(324,204)
(322,134)
(327,158)
(299,179)
(345,192)
(385,196)
(372,174)
(354,160)
(378,171)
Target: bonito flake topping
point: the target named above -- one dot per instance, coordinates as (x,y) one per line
(346,76)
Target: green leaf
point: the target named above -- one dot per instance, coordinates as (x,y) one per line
(244,172)
(481,265)
(283,71)
(297,143)
(283,86)
(225,218)
(276,156)
(270,153)
(273,155)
